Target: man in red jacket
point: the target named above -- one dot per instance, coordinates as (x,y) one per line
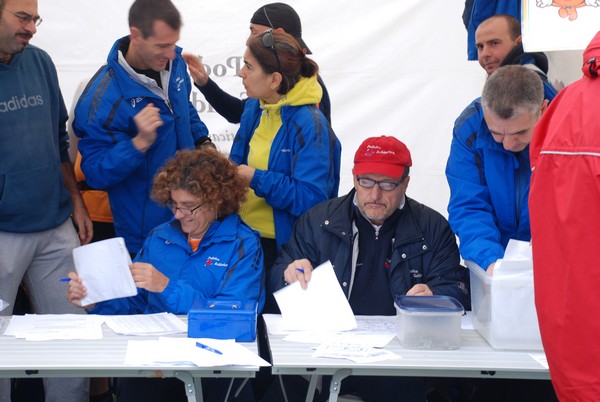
(565,220)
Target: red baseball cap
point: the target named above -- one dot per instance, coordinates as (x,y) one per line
(382,155)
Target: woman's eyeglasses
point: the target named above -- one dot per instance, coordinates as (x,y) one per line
(268,40)
(184,211)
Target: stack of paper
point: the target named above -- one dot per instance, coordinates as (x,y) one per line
(146,324)
(43,327)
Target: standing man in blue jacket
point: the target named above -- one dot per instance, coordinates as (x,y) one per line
(134,115)
(488,179)
(382,244)
(39,199)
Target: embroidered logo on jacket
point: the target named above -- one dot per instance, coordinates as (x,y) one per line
(179,82)
(135,101)
(214,261)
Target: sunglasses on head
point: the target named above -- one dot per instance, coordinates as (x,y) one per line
(268,40)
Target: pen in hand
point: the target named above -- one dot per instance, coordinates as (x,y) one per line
(64,280)
(206,347)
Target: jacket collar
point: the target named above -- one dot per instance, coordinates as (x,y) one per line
(340,219)
(219,231)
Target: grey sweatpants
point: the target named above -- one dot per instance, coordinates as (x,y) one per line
(39,260)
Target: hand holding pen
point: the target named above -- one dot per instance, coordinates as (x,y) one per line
(299,270)
(76,290)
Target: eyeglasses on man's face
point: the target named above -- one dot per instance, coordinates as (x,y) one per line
(184,211)
(26,19)
(383,185)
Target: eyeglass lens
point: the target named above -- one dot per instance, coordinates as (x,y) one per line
(26,18)
(383,185)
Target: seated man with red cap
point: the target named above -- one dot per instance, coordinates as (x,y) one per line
(382,244)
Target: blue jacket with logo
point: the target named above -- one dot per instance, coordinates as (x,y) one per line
(486,180)
(304,163)
(228,265)
(104,122)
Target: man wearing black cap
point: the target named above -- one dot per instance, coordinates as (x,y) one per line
(276,16)
(382,244)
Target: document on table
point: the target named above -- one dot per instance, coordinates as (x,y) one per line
(322,306)
(356,353)
(183,351)
(43,327)
(146,324)
(104,269)
(371,331)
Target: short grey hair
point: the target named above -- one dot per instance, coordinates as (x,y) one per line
(511,90)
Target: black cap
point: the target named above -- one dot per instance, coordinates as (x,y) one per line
(281,15)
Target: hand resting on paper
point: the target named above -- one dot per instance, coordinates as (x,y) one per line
(144,275)
(299,270)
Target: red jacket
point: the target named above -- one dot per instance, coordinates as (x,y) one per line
(564,205)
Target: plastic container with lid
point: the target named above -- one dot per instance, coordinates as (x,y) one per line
(428,322)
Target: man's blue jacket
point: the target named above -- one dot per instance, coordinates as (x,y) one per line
(104,122)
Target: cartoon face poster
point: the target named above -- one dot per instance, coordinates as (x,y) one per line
(559,24)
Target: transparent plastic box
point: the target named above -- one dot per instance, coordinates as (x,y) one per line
(428,322)
(504,309)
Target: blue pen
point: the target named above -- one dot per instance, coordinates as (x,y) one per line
(300,270)
(64,280)
(206,347)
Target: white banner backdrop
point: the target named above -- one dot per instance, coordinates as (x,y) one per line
(391,67)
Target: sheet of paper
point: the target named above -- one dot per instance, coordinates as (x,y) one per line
(517,259)
(466,321)
(360,339)
(104,269)
(322,306)
(540,358)
(146,324)
(184,351)
(356,353)
(43,327)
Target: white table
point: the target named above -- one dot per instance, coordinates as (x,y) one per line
(101,358)
(474,358)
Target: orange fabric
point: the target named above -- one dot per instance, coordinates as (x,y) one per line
(96,201)
(194,243)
